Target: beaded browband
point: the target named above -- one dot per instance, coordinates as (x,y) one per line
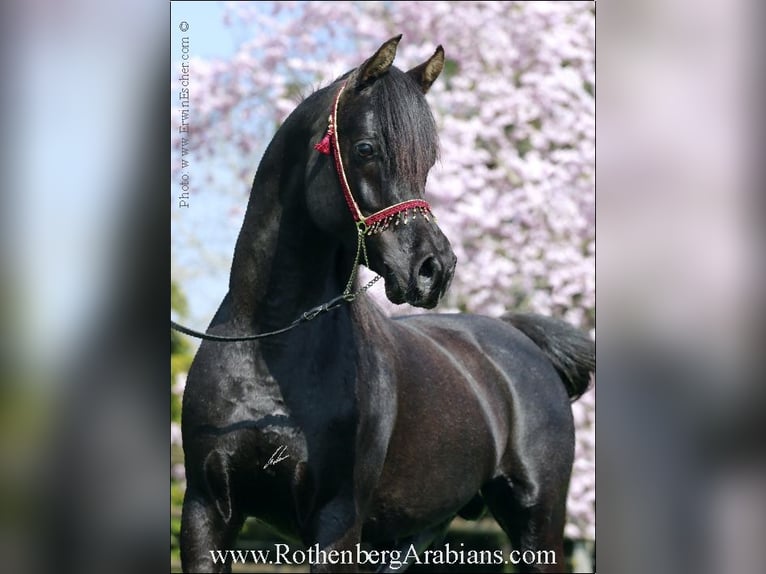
(380,220)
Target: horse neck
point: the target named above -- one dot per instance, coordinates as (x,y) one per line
(283,265)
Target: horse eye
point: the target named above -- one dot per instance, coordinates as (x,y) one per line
(364,149)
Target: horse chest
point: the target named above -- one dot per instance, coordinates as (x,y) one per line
(304,431)
(271,477)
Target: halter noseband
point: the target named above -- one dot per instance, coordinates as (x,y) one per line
(380,220)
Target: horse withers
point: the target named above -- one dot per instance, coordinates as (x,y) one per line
(355,428)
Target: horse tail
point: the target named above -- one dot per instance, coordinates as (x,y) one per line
(572,353)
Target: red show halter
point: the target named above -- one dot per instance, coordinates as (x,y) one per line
(380,220)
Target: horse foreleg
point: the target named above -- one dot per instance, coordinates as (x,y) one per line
(206,534)
(335,527)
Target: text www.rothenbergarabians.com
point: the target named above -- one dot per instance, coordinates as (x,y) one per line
(185,110)
(396,559)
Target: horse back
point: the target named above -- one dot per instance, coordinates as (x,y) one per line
(494,358)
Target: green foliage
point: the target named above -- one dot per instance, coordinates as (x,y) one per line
(180,350)
(450,69)
(177,299)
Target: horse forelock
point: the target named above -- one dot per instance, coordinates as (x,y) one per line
(406,126)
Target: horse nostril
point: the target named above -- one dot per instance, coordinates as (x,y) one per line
(429,268)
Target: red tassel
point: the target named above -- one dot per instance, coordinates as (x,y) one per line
(323,146)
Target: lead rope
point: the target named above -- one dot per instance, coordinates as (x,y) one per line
(347,297)
(374,223)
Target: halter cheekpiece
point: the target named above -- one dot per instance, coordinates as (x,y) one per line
(386,217)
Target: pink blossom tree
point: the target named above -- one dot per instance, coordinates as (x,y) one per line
(514,189)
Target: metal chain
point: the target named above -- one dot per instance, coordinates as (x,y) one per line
(361,254)
(351,296)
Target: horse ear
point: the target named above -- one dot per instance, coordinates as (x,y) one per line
(378,64)
(426,73)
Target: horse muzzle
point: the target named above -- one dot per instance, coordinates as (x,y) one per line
(425,282)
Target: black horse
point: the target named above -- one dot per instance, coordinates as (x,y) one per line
(355,427)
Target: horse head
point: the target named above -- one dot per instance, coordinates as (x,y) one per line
(383,139)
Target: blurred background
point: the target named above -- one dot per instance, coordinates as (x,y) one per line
(85,245)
